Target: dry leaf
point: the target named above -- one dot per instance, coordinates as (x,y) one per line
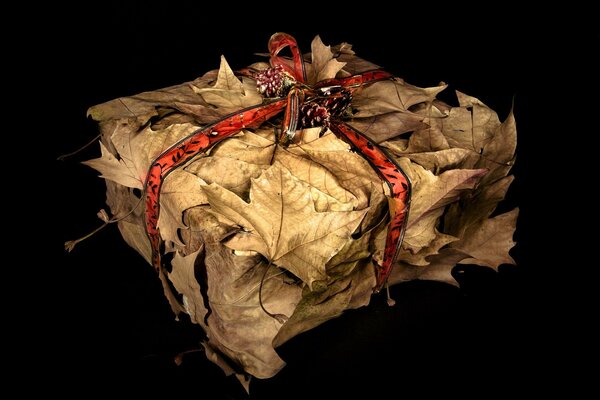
(439,268)
(183,277)
(477,207)
(354,65)
(229,93)
(387,126)
(319,306)
(220,289)
(323,65)
(114,170)
(488,243)
(143,106)
(281,223)
(181,191)
(136,150)
(235,161)
(431,194)
(238,326)
(326,192)
(443,160)
(391,96)
(352,171)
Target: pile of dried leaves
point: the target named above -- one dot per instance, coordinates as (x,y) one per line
(311,215)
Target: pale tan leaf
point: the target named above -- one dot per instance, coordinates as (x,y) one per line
(470,128)
(135,236)
(439,268)
(143,106)
(477,206)
(113,169)
(122,201)
(443,160)
(226,79)
(323,65)
(489,242)
(475,127)
(203,226)
(235,161)
(251,147)
(176,306)
(391,96)
(231,174)
(352,171)
(353,251)
(238,327)
(465,100)
(327,193)
(498,155)
(225,364)
(343,48)
(430,196)
(202,113)
(431,192)
(434,109)
(149,143)
(354,65)
(431,248)
(421,230)
(136,151)
(172,118)
(427,139)
(317,307)
(380,128)
(181,190)
(229,93)
(278,199)
(503,142)
(378,209)
(183,278)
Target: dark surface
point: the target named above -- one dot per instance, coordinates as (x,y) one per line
(104,311)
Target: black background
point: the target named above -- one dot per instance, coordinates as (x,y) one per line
(103,311)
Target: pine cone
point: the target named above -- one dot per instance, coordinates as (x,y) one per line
(313,114)
(338,106)
(273,82)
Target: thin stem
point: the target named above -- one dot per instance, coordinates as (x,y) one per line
(391,302)
(63,156)
(279,317)
(179,357)
(70,245)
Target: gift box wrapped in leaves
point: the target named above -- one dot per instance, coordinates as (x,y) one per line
(261,240)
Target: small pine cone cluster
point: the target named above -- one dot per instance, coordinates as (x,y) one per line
(338,105)
(313,114)
(273,82)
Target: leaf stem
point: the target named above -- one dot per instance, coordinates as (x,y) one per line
(70,244)
(390,302)
(63,156)
(279,317)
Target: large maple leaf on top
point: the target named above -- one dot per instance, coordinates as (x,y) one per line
(281,223)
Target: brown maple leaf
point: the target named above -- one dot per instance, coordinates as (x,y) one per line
(281,223)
